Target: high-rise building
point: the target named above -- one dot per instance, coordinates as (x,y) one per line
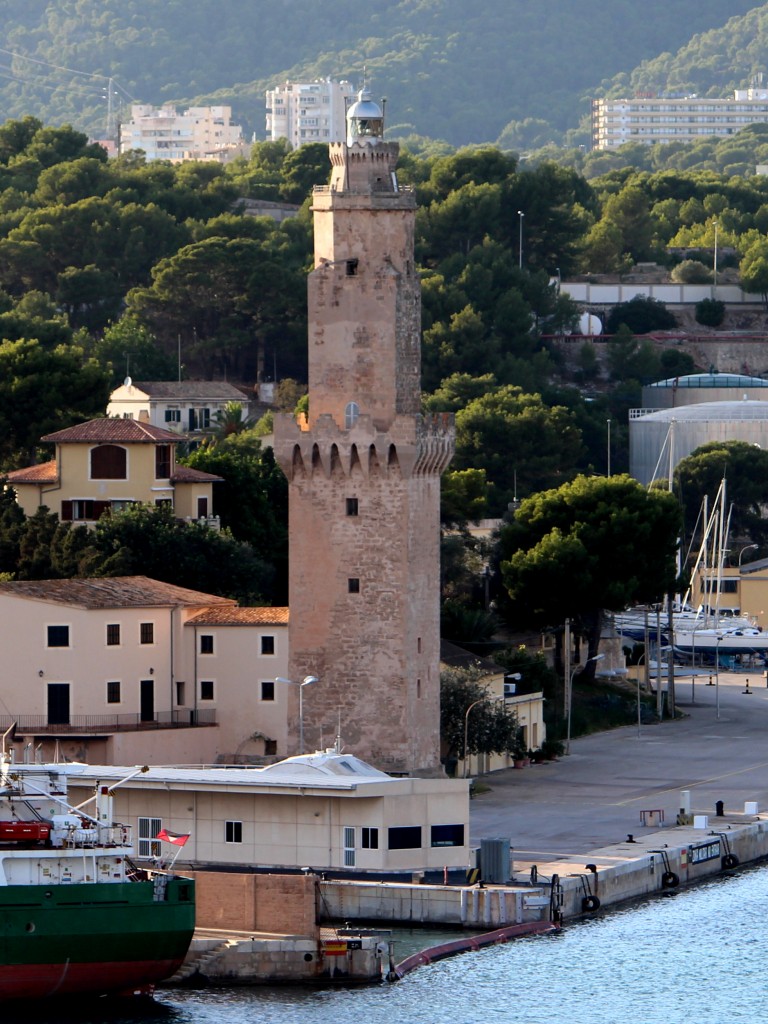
(308,111)
(364,473)
(200,133)
(650,119)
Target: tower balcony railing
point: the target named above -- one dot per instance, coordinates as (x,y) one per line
(383,186)
(41,725)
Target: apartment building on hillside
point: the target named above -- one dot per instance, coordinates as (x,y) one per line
(199,133)
(308,111)
(651,118)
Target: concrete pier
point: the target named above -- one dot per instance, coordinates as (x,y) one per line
(602,823)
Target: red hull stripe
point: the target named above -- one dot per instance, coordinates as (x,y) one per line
(39,981)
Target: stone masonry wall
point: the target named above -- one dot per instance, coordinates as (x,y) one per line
(284,904)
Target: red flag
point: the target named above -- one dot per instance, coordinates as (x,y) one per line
(172,837)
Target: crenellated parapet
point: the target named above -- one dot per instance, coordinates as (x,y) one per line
(364,167)
(413,446)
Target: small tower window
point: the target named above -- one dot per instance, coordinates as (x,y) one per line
(353,584)
(352,507)
(352,268)
(351,413)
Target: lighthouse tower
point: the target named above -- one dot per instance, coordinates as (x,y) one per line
(364,474)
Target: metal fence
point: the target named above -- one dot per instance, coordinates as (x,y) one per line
(184,718)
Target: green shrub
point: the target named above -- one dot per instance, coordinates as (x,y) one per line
(710,312)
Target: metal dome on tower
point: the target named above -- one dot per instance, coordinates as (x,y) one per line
(365,120)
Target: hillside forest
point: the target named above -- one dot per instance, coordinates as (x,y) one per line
(509,72)
(120,266)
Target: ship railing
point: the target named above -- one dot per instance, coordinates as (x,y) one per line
(102,835)
(180,718)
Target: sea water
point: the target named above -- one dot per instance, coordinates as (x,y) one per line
(695,955)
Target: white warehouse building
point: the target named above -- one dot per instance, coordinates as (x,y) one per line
(654,434)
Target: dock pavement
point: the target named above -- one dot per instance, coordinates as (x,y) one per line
(583,808)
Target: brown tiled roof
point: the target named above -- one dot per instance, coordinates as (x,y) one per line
(196,389)
(44,473)
(111,592)
(240,617)
(113,429)
(185,475)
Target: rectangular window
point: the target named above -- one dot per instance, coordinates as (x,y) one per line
(447,835)
(113,693)
(268,690)
(267,645)
(173,415)
(352,506)
(270,747)
(147,633)
(369,838)
(405,837)
(353,585)
(349,847)
(148,845)
(113,634)
(162,461)
(206,689)
(233,831)
(180,693)
(206,644)
(58,636)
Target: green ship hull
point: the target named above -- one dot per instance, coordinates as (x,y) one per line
(99,938)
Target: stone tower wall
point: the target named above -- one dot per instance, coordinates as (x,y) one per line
(364,482)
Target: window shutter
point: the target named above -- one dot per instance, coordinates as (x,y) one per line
(66,511)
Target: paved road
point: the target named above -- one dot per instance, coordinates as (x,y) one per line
(593,798)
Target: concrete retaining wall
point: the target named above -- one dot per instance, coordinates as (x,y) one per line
(624,872)
(457,906)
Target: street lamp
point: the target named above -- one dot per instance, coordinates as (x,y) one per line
(520,214)
(578,668)
(609,448)
(481,700)
(747,547)
(714,267)
(306,681)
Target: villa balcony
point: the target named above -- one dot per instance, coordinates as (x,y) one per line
(106,725)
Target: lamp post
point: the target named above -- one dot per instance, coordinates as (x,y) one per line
(747,547)
(306,681)
(481,700)
(520,214)
(714,266)
(578,668)
(717,675)
(609,448)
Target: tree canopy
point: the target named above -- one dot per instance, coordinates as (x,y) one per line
(595,543)
(744,467)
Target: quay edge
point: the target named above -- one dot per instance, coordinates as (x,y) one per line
(657,862)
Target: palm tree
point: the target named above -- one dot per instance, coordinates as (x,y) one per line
(231,420)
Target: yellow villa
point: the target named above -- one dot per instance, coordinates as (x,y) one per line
(107,464)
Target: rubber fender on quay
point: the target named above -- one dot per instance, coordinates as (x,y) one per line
(590,904)
(669,880)
(730,860)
